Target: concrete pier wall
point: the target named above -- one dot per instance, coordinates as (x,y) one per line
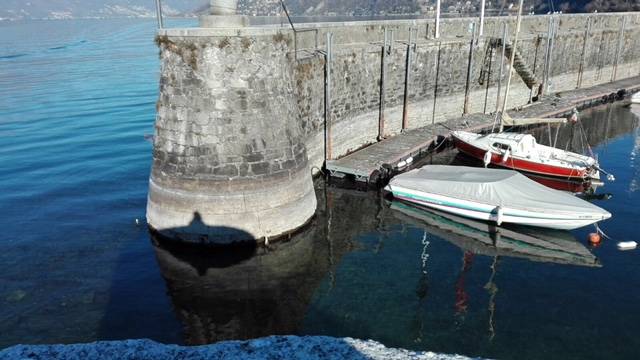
(241,115)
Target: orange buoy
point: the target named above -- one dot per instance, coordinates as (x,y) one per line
(595,239)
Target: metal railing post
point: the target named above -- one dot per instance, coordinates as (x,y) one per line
(467,87)
(159,14)
(327,96)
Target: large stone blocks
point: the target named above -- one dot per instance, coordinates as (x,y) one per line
(229,163)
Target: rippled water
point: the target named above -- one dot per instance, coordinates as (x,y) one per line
(77,99)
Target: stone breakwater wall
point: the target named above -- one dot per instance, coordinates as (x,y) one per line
(438,71)
(241,115)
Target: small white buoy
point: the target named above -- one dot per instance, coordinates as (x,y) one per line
(137,222)
(610,177)
(627,245)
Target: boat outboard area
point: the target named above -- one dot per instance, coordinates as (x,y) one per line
(495,195)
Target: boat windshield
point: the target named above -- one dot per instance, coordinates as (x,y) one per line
(501,146)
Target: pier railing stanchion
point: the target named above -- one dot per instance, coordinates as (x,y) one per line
(467,87)
(587,30)
(407,79)
(435,87)
(159,14)
(623,22)
(383,71)
(327,97)
(505,27)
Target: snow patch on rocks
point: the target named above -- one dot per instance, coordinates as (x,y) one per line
(273,347)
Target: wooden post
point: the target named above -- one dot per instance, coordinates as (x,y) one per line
(435,87)
(467,86)
(327,97)
(587,30)
(623,22)
(407,79)
(383,71)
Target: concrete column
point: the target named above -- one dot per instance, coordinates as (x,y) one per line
(223,7)
(229,161)
(223,15)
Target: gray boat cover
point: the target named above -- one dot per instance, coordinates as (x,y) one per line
(495,187)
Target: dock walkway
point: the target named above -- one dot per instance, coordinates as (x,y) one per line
(372,162)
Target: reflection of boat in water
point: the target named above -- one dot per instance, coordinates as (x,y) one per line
(544,245)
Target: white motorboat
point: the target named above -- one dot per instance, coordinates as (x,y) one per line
(501,196)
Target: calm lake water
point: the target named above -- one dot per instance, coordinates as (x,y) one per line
(77,102)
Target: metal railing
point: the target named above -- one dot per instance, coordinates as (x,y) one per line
(296,31)
(159,14)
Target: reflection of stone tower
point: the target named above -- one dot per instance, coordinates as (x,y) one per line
(228,142)
(241,294)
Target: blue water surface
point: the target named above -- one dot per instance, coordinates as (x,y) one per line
(76,101)
(77,106)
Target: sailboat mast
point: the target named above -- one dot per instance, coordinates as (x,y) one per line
(512,60)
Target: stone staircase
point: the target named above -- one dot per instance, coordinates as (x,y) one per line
(519,65)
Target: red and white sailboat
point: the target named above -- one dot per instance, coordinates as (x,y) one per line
(521,152)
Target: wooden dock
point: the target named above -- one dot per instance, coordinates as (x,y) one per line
(374,162)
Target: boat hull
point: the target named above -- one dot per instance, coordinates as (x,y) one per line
(479,211)
(520,164)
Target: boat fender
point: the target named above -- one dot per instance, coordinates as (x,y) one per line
(627,245)
(505,156)
(401,164)
(409,160)
(574,116)
(499,215)
(487,158)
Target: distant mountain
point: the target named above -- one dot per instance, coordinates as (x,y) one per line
(73,9)
(69,9)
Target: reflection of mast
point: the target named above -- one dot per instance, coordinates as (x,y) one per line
(328,205)
(492,289)
(633,185)
(422,289)
(462,298)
